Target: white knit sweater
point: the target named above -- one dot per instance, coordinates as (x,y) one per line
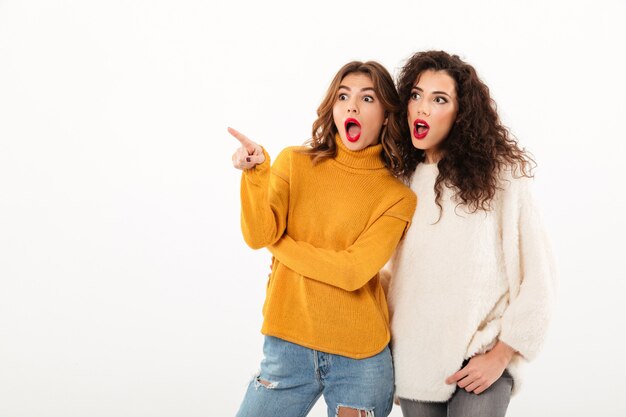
(459,285)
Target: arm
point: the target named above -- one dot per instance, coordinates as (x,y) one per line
(264,204)
(530,272)
(385,279)
(387,271)
(264,192)
(532,279)
(348,269)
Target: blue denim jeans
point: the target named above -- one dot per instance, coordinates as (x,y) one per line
(293,377)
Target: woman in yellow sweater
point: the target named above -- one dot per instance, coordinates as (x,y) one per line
(331,214)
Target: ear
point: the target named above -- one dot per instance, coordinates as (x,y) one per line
(386,120)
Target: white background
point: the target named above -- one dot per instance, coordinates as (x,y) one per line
(125,286)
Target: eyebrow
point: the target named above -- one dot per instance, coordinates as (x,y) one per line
(362,89)
(434,92)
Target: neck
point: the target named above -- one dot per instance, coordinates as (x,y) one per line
(432,156)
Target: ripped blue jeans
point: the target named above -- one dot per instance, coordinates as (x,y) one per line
(293,377)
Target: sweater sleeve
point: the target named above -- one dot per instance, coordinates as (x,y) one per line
(351,268)
(530,268)
(265,201)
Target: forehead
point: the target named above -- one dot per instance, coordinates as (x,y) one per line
(357,80)
(430,80)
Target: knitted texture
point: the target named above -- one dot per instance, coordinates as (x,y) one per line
(330,227)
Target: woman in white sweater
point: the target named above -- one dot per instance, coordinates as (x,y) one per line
(471,285)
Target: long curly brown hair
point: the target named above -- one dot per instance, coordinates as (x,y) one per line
(322,142)
(478,146)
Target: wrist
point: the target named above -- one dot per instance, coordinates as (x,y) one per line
(503,352)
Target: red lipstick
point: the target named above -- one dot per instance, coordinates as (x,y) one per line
(420,129)
(353,129)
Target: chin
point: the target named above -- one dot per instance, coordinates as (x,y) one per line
(419,144)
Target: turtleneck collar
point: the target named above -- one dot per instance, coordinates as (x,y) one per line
(368,158)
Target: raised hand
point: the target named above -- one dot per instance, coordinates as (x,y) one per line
(249,153)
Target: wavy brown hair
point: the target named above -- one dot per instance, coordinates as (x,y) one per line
(322,142)
(478,146)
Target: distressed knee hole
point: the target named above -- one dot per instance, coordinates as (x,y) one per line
(264,382)
(267,384)
(343,411)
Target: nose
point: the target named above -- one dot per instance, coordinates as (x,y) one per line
(352,107)
(422,108)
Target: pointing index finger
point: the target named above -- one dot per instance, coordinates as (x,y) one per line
(240,137)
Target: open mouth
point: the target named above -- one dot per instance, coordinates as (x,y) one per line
(420,128)
(353,129)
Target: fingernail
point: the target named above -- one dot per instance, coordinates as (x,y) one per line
(248,159)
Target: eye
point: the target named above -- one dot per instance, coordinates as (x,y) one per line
(368,99)
(415,96)
(440,100)
(342,97)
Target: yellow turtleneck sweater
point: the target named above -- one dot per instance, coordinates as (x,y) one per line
(331,227)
